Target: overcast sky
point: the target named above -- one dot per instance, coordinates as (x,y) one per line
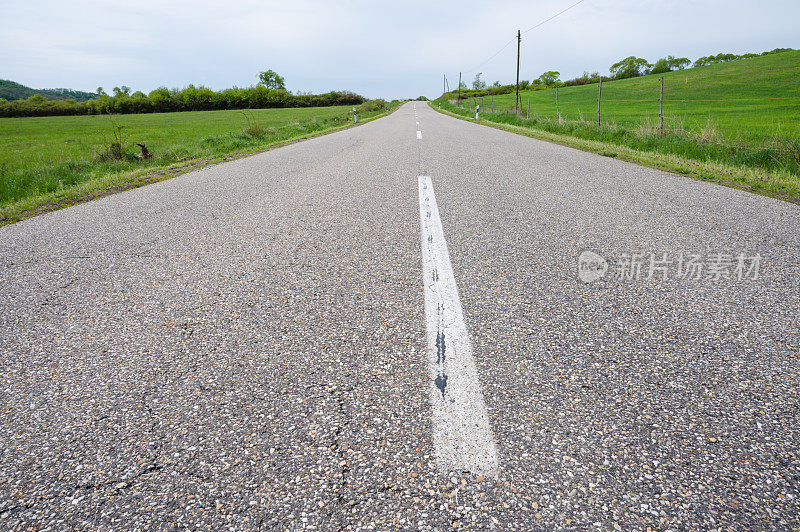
(378,49)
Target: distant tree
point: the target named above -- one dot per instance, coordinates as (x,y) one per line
(271,80)
(100,91)
(122,91)
(630,67)
(477,83)
(777,51)
(668,64)
(679,63)
(496,84)
(714,59)
(549,78)
(463,85)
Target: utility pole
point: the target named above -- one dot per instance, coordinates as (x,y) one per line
(459,87)
(516,104)
(444,84)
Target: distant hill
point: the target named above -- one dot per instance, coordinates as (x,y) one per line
(11,90)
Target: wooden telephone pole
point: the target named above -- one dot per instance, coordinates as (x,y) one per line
(516,105)
(459,88)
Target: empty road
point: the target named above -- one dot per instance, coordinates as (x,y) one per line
(418,323)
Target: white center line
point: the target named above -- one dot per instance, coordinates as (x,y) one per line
(419,134)
(462,437)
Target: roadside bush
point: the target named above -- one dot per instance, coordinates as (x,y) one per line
(114,150)
(372,105)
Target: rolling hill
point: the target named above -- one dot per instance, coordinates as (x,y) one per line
(745,99)
(11,90)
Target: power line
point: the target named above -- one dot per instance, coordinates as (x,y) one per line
(493,56)
(473,69)
(542,23)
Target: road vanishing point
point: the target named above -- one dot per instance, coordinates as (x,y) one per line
(396,327)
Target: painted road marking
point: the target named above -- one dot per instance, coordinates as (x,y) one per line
(462,437)
(419,134)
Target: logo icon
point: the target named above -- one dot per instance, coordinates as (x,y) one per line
(591,266)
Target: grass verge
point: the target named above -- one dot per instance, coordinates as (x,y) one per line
(685,156)
(55,162)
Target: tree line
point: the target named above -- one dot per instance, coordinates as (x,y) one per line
(629,67)
(269,93)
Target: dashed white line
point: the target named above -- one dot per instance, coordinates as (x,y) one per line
(462,437)
(419,134)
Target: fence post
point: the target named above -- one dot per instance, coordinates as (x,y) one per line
(661,106)
(558,115)
(529,105)
(492,103)
(599,92)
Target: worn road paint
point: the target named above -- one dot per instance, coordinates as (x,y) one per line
(462,437)
(419,134)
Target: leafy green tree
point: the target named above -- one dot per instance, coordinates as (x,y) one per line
(549,78)
(679,63)
(668,64)
(271,80)
(630,67)
(478,83)
(714,59)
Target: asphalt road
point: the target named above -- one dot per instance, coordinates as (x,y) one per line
(246,346)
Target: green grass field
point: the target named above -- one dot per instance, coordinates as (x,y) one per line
(735,123)
(748,100)
(58,160)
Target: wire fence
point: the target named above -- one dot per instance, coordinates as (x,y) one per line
(727,121)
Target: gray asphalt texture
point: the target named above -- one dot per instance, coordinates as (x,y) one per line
(243,346)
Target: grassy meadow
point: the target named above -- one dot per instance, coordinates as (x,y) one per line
(744,100)
(736,123)
(47,162)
